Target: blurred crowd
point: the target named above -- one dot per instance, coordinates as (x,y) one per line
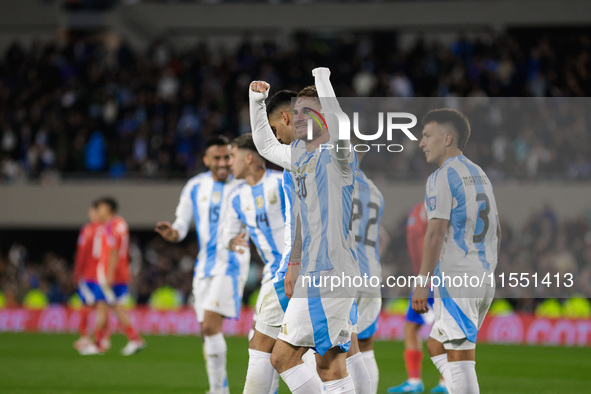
(98,106)
(543,244)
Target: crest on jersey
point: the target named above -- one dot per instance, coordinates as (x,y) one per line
(216,197)
(273,199)
(432,203)
(260,202)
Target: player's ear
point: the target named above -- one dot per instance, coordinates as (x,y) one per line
(285,118)
(449,139)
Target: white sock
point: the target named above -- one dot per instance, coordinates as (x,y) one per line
(259,376)
(275,384)
(464,377)
(341,386)
(214,349)
(443,367)
(301,380)
(369,359)
(359,374)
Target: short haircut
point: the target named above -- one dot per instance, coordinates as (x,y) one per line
(109,201)
(217,140)
(245,141)
(280,99)
(455,119)
(309,91)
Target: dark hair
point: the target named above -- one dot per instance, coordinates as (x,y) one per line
(245,141)
(452,117)
(280,99)
(308,91)
(109,201)
(217,140)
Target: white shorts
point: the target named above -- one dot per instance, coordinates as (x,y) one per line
(458,318)
(369,312)
(220,294)
(319,323)
(268,312)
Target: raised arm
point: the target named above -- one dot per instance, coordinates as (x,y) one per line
(334,115)
(262,135)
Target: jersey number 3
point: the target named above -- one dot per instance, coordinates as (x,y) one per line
(483,212)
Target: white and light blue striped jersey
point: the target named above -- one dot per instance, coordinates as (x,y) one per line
(322,196)
(261,208)
(368,208)
(205,200)
(460,191)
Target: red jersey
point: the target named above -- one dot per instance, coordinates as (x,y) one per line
(416,227)
(117,237)
(88,252)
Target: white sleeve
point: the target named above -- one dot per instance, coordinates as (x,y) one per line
(289,214)
(231,225)
(334,115)
(262,135)
(184,212)
(439,199)
(288,237)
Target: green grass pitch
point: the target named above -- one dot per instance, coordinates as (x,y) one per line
(44,363)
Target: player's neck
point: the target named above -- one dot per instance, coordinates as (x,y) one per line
(451,153)
(315,143)
(255,176)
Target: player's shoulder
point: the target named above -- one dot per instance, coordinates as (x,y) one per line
(198,179)
(360,176)
(233,183)
(471,166)
(274,174)
(236,187)
(441,176)
(120,223)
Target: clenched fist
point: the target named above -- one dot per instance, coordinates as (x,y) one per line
(259,86)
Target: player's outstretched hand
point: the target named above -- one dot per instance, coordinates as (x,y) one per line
(239,244)
(166,231)
(419,299)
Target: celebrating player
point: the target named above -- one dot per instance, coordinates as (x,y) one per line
(463,236)
(416,225)
(88,253)
(260,206)
(368,208)
(116,262)
(220,274)
(313,320)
